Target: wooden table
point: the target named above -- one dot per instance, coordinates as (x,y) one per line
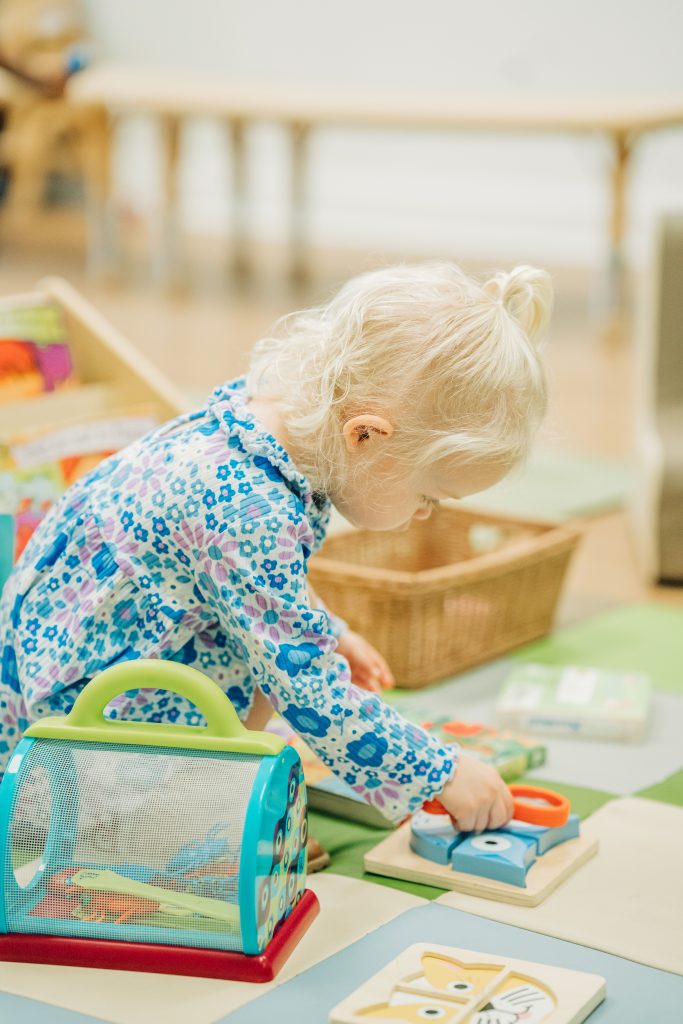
(174,96)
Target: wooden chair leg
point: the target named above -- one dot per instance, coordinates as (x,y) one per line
(102,229)
(168,259)
(28,139)
(241,265)
(622,150)
(298,228)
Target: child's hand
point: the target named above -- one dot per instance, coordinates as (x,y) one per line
(369,670)
(476,797)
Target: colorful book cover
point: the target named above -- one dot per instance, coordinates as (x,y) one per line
(36,469)
(576,701)
(6,546)
(510,753)
(34,352)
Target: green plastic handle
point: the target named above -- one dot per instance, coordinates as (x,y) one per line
(223,730)
(220,715)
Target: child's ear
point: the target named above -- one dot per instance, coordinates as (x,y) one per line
(359,430)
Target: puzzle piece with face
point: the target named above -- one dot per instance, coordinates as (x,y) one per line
(545,838)
(443,975)
(517,999)
(451,992)
(504,858)
(434,836)
(411,1008)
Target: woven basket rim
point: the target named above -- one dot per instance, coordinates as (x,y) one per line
(555,537)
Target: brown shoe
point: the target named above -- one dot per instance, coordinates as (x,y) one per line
(317,857)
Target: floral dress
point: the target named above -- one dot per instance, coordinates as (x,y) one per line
(192,545)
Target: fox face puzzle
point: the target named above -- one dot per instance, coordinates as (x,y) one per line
(459,986)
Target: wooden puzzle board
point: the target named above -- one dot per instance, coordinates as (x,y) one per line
(394,858)
(349,909)
(627,901)
(575,994)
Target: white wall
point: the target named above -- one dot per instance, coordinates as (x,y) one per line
(468,195)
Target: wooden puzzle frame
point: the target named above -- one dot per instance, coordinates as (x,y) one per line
(575,993)
(394,859)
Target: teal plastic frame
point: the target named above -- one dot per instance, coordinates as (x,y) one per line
(268,800)
(51,851)
(8,788)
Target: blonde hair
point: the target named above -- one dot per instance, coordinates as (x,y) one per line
(452,362)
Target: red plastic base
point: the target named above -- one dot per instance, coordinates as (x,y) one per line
(157,959)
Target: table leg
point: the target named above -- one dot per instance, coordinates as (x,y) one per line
(240,256)
(167,256)
(103,253)
(298,241)
(622,149)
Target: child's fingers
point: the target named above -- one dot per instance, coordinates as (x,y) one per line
(387,679)
(366,681)
(499,815)
(386,682)
(481,823)
(384,673)
(366,661)
(465,821)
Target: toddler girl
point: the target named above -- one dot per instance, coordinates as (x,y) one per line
(413,385)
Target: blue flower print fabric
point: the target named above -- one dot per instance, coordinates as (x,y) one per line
(192,545)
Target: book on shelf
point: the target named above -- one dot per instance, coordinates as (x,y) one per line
(37,467)
(510,753)
(572,700)
(34,350)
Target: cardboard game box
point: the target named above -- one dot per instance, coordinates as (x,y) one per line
(576,701)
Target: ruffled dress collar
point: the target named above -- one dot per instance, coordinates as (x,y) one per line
(230,404)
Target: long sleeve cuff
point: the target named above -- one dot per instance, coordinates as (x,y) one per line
(337,625)
(432,767)
(391,763)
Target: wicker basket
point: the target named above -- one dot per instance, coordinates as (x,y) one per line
(453,591)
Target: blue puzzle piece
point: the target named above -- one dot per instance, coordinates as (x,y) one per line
(434,836)
(545,838)
(504,858)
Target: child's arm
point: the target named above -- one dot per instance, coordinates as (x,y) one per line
(291,656)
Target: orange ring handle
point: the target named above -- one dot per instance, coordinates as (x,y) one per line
(554,813)
(434,807)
